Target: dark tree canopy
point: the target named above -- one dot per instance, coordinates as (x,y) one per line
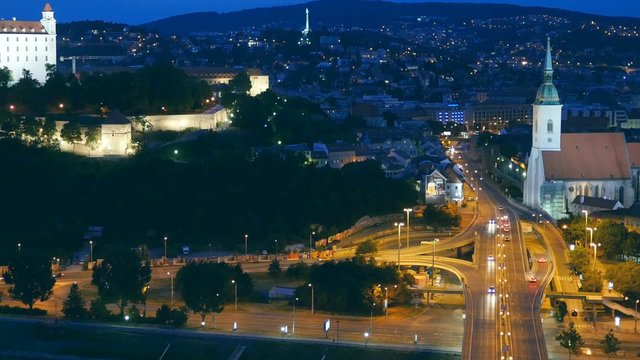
(74,305)
(29,274)
(121,277)
(206,287)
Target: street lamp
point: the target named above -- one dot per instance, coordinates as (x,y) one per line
(635,319)
(171,277)
(246,249)
(235,294)
(433,262)
(276,241)
(293,326)
(408,211)
(165,247)
(310,239)
(399,225)
(591,230)
(90,250)
(386,300)
(312,299)
(371,319)
(595,254)
(19,246)
(366,338)
(586,219)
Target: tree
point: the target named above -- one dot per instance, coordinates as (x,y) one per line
(240,84)
(5,77)
(274,268)
(71,133)
(570,339)
(367,247)
(48,133)
(206,287)
(626,277)
(579,259)
(561,310)
(92,138)
(31,277)
(612,235)
(591,280)
(610,343)
(121,277)
(167,316)
(74,305)
(299,270)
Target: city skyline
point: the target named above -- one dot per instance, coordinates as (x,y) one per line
(141,11)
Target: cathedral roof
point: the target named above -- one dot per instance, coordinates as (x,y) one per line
(21,27)
(47,7)
(634,154)
(547,92)
(588,156)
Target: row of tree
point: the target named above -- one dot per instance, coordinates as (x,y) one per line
(570,339)
(616,241)
(214,201)
(151,89)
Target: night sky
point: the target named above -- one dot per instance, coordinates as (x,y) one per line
(140,11)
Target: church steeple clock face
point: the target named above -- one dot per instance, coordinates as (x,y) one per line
(47,15)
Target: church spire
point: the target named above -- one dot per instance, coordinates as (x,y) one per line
(547,92)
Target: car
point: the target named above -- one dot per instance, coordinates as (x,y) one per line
(490,258)
(542,260)
(492,221)
(491,290)
(507,238)
(500,208)
(58,275)
(533,279)
(501,266)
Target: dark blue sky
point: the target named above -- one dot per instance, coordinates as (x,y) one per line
(140,11)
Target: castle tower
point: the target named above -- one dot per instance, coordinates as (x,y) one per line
(547,113)
(48,21)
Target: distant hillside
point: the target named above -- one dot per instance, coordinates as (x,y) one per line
(363,13)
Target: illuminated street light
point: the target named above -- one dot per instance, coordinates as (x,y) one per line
(171,276)
(90,250)
(293,326)
(366,338)
(399,225)
(586,219)
(408,211)
(246,249)
(433,262)
(310,240)
(165,247)
(595,254)
(312,299)
(235,294)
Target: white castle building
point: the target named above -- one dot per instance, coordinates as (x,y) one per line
(28,45)
(563,167)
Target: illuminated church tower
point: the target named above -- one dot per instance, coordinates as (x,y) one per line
(547,112)
(305,33)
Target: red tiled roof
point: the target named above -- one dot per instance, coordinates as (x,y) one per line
(21,27)
(47,7)
(589,156)
(634,154)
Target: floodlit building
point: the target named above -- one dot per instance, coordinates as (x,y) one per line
(562,167)
(28,45)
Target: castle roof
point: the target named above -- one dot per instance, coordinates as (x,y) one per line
(21,27)
(588,156)
(47,7)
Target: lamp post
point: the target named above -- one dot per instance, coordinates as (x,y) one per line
(165,247)
(635,319)
(408,211)
(586,223)
(293,326)
(171,277)
(366,338)
(371,319)
(591,230)
(310,239)
(595,254)
(246,249)
(433,262)
(90,250)
(399,225)
(312,299)
(235,294)
(276,241)
(19,246)
(386,300)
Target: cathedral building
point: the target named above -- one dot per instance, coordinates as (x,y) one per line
(563,166)
(28,45)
